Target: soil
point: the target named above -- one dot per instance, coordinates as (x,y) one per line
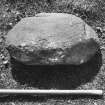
(14,75)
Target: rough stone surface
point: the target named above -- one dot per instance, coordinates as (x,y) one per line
(52,38)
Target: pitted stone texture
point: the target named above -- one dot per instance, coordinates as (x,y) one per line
(52,38)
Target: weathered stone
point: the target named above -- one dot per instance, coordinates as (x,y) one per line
(52,38)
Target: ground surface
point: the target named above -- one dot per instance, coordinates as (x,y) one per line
(92,74)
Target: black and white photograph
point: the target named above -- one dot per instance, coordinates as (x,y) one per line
(52,52)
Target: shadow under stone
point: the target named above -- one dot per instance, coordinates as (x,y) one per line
(56,76)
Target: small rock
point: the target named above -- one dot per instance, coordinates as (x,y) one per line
(5,62)
(10,24)
(52,38)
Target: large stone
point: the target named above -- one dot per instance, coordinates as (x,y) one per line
(52,38)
